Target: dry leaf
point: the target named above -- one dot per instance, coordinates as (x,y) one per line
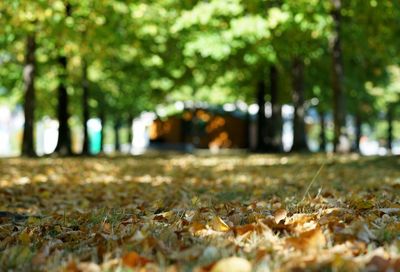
(309,240)
(380,264)
(218,224)
(279,215)
(132,259)
(96,208)
(25,238)
(196,227)
(232,264)
(240,230)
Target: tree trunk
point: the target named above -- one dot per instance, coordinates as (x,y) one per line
(273,139)
(64,137)
(322,134)
(389,118)
(117,126)
(248,134)
(130,133)
(63,147)
(299,127)
(339,110)
(28,146)
(358,132)
(85,109)
(261,120)
(102,117)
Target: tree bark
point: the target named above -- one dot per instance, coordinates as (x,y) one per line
(358,123)
(273,139)
(63,147)
(28,145)
(85,109)
(247,135)
(130,133)
(117,126)
(261,120)
(339,109)
(299,127)
(322,134)
(389,119)
(64,137)
(102,117)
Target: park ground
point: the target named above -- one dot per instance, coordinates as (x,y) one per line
(172,212)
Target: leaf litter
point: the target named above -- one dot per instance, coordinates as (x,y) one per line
(200,213)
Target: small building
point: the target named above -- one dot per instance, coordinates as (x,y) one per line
(211,128)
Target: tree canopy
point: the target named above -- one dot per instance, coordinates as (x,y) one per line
(126,57)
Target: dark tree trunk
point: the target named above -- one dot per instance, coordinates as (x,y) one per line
(117,126)
(322,134)
(187,127)
(389,119)
(64,137)
(85,109)
(102,117)
(63,147)
(130,133)
(247,135)
(299,127)
(273,139)
(339,109)
(261,120)
(358,132)
(28,146)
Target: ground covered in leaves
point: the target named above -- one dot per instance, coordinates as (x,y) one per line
(200,213)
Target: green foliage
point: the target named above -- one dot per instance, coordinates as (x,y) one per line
(142,53)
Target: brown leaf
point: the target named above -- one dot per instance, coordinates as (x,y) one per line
(361,203)
(378,263)
(107,228)
(308,240)
(132,259)
(240,230)
(279,215)
(72,267)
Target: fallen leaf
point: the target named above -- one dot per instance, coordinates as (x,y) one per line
(196,227)
(25,238)
(132,259)
(218,224)
(241,230)
(361,203)
(308,240)
(232,264)
(279,215)
(378,263)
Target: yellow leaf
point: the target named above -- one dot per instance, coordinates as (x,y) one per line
(33,220)
(218,224)
(24,238)
(45,194)
(196,226)
(195,200)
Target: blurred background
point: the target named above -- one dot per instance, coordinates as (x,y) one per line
(101,77)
